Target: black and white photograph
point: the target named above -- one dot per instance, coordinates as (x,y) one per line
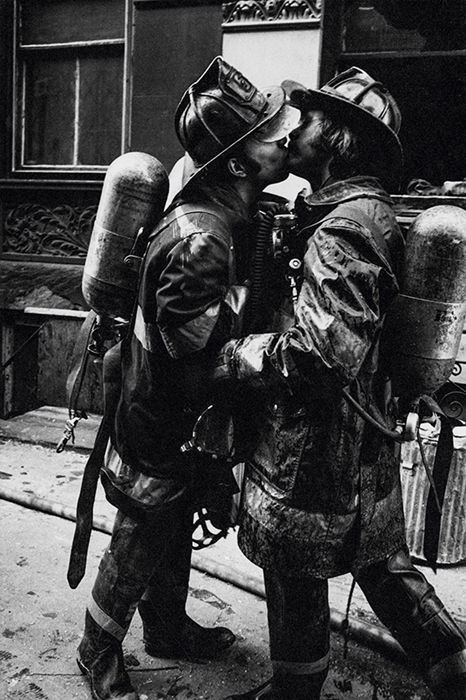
(233,350)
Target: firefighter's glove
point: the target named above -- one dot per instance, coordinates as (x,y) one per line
(244,360)
(218,500)
(213,495)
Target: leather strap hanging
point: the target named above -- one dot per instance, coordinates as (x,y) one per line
(85,506)
(440,473)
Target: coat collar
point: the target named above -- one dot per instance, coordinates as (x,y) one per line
(345,190)
(316,205)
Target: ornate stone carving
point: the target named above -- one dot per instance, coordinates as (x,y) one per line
(34,229)
(245,11)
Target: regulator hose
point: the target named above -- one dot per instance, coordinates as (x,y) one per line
(393,434)
(262,246)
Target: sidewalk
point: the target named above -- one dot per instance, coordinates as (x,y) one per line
(42,618)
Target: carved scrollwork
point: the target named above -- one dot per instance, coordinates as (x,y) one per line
(244,11)
(34,229)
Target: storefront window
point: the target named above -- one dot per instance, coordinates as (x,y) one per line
(418,50)
(406,25)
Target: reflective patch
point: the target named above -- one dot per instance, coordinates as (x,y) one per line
(105,621)
(145,490)
(302,668)
(145,332)
(236,298)
(193,335)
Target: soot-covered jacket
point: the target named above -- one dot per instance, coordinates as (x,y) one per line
(322,491)
(189,303)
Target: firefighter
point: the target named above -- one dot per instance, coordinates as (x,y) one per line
(191,293)
(322,494)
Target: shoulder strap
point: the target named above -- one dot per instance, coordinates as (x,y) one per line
(181,210)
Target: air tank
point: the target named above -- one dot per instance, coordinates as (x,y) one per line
(424,324)
(133,197)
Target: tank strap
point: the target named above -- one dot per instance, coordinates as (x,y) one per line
(176,212)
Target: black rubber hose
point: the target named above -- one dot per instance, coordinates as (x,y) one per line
(368,634)
(262,244)
(393,434)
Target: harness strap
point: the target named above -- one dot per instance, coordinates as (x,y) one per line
(85,506)
(440,474)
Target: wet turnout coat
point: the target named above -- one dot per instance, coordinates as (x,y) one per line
(189,304)
(322,492)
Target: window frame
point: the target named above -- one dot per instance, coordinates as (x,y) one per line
(18,99)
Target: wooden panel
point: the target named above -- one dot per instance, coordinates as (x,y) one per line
(25,369)
(7,376)
(47,285)
(100,109)
(172,46)
(57,339)
(50,110)
(6,54)
(55,21)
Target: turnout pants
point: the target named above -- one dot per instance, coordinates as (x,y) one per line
(404,601)
(149,561)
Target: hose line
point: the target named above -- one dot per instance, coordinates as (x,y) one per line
(370,635)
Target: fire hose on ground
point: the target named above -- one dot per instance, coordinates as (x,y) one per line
(365,633)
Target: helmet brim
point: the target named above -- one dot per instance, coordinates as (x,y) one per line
(366,125)
(279,119)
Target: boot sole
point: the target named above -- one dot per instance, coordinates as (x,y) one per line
(183,655)
(85,671)
(172,654)
(177,652)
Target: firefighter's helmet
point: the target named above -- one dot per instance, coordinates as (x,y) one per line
(354,98)
(222,108)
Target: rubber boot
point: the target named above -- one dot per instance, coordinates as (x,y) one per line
(447,678)
(453,689)
(262,692)
(181,637)
(406,603)
(286,687)
(100,659)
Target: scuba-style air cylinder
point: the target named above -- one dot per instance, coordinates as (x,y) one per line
(132,201)
(133,198)
(423,326)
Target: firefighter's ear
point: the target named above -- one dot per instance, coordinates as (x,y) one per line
(236,167)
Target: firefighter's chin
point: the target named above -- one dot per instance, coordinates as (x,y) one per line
(295,164)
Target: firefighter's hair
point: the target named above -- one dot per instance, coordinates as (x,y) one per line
(351,154)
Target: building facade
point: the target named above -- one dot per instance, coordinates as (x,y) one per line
(83,81)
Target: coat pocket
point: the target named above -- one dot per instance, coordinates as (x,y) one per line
(277,457)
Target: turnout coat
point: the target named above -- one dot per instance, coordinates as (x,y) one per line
(190,301)
(322,491)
